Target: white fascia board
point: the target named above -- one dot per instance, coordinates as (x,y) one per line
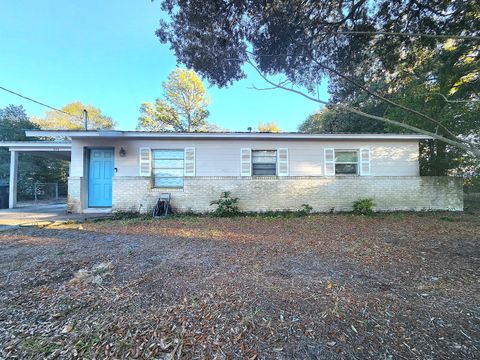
(36,145)
(172,135)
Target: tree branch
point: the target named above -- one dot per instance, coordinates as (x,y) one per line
(456,101)
(388,101)
(471,147)
(403,34)
(378,96)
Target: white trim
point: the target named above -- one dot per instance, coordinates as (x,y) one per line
(367,163)
(144,164)
(97,210)
(13,180)
(328,165)
(282,162)
(187,162)
(245,162)
(177,135)
(36,145)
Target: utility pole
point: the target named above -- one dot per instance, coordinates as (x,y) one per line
(85,118)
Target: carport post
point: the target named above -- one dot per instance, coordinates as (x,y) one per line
(12,192)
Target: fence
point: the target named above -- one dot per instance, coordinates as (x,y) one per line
(45,191)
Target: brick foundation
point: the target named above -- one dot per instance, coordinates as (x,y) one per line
(289,193)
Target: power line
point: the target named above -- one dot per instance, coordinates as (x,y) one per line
(38,102)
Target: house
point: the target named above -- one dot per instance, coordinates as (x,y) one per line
(128,170)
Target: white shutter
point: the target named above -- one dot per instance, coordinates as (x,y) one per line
(282,162)
(246,162)
(329,161)
(189,162)
(365,167)
(144,161)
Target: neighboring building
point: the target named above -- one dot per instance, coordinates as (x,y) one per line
(123,170)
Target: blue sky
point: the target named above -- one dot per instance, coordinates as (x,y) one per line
(105,53)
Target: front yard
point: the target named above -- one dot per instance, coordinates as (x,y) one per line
(389,286)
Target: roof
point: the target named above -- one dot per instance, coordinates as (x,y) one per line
(72,134)
(49,149)
(15,145)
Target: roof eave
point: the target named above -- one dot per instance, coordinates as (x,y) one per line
(172,135)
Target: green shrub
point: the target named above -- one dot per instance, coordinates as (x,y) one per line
(471,184)
(226,205)
(363,207)
(305,210)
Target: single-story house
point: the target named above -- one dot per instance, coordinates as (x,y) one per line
(128,170)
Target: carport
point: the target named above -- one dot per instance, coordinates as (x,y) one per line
(48,149)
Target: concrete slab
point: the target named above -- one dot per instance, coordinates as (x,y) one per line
(40,214)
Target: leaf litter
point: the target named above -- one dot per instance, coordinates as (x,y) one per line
(322,286)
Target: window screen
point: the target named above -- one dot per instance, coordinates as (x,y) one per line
(168,168)
(264,162)
(346,162)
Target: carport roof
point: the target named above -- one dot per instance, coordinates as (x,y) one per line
(50,149)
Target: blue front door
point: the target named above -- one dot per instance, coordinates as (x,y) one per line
(100,174)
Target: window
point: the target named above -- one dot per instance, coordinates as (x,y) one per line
(264,162)
(168,168)
(346,162)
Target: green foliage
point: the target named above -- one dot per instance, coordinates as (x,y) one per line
(158,117)
(13,123)
(336,121)
(435,76)
(184,107)
(38,347)
(306,209)
(58,121)
(226,205)
(471,184)
(363,207)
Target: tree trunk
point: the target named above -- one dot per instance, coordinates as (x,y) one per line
(189,120)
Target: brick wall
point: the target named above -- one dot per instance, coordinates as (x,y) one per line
(75,194)
(289,193)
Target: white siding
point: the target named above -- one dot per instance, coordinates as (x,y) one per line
(221,157)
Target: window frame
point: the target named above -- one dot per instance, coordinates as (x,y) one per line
(356,163)
(153,168)
(253,151)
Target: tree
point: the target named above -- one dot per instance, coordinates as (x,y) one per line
(72,118)
(271,127)
(13,123)
(354,44)
(184,107)
(335,121)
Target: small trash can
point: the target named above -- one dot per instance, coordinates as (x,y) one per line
(3,196)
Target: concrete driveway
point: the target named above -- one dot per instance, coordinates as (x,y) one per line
(39,214)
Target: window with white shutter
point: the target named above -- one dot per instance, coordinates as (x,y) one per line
(246,162)
(365,162)
(189,161)
(282,162)
(329,162)
(144,161)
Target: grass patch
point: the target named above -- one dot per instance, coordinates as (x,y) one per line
(38,346)
(450,219)
(87,342)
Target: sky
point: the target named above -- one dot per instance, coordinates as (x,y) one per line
(105,53)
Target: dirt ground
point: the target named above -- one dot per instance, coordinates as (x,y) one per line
(391,286)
